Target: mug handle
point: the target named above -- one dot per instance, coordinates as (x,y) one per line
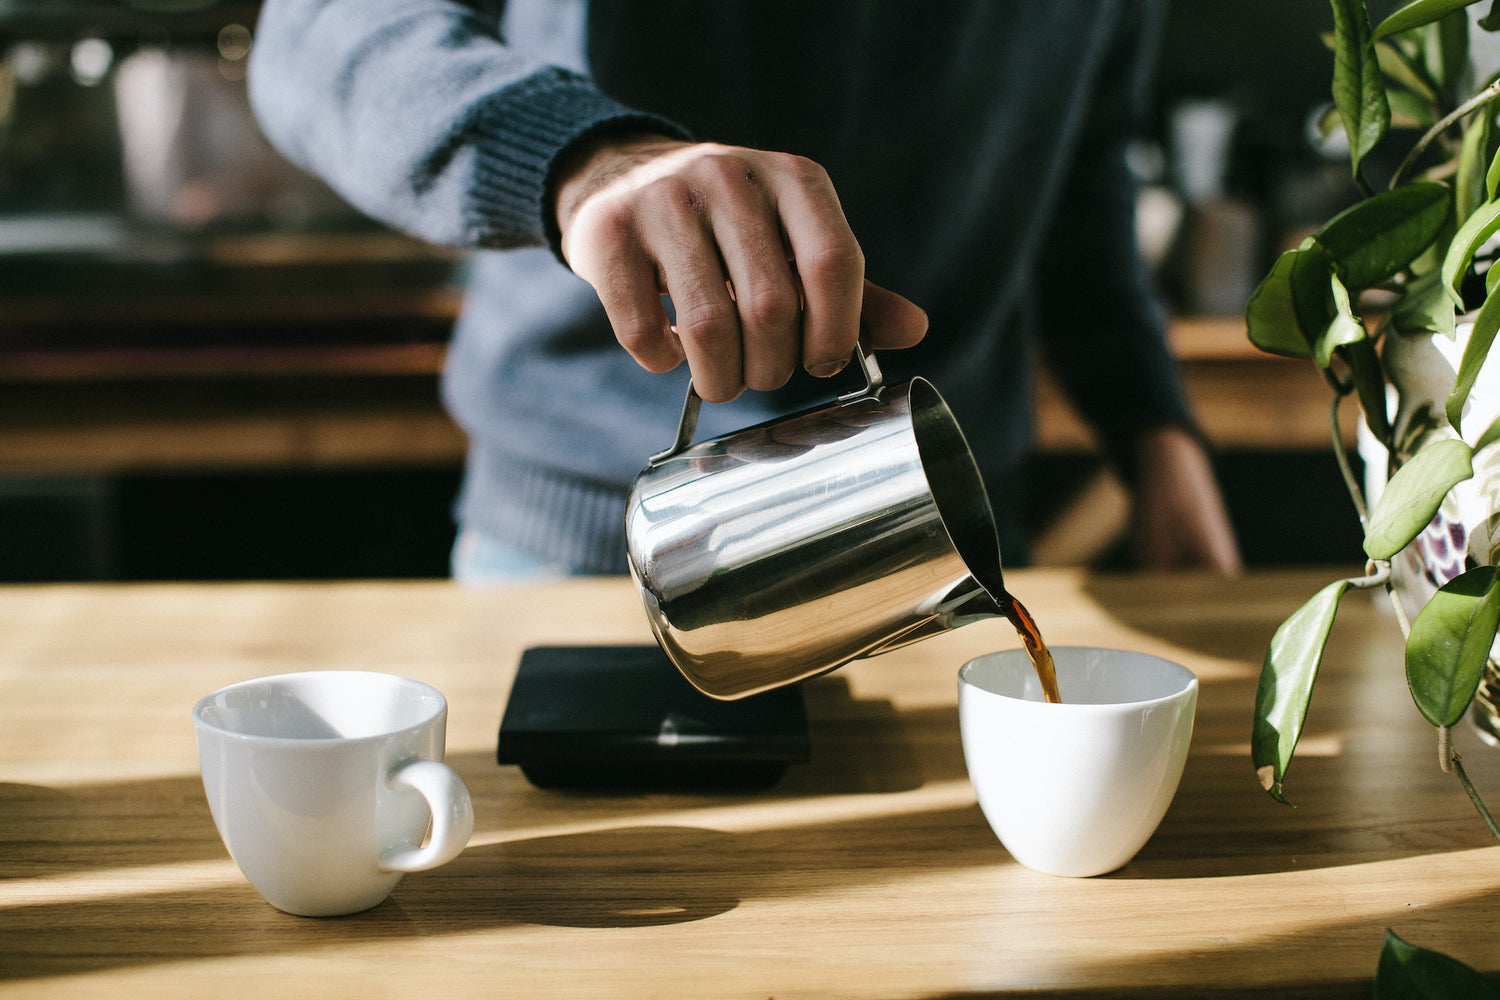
(687,425)
(452,816)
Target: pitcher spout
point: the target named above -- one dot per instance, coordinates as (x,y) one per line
(969,604)
(987,601)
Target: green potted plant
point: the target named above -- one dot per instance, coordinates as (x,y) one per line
(1394,302)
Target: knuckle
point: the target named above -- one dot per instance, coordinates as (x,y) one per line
(711,325)
(722,167)
(592,238)
(605,213)
(767,310)
(800,166)
(833,259)
(670,195)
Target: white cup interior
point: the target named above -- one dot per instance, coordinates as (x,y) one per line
(1085,676)
(320,705)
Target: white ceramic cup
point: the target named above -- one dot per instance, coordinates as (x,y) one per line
(324,785)
(1077,788)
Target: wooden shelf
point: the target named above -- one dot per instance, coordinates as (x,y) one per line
(262,420)
(1244,399)
(236,402)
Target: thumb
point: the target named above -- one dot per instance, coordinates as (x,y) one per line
(890,320)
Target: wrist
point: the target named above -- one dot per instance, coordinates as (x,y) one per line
(594,161)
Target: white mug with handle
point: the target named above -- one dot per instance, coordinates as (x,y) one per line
(328,786)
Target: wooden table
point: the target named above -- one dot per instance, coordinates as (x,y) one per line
(868,872)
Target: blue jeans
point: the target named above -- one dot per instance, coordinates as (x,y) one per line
(480,560)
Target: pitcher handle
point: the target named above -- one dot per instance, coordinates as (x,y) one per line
(687,424)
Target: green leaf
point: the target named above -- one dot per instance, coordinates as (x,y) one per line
(1468,186)
(1408,972)
(1476,352)
(1344,328)
(1491,21)
(1424,305)
(1408,111)
(1492,176)
(1412,496)
(1291,307)
(1418,13)
(1358,85)
(1490,436)
(1375,238)
(1369,383)
(1418,97)
(1449,644)
(1476,229)
(1286,683)
(1449,37)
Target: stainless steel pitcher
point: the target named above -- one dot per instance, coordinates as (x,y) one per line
(782,551)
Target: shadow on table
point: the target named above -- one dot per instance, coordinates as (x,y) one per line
(628,877)
(859,747)
(123,824)
(1347,806)
(627,869)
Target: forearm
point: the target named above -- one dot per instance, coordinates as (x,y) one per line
(1103,329)
(420,117)
(1102,323)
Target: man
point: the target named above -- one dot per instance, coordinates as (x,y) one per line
(745,185)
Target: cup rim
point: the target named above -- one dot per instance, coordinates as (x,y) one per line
(204,724)
(1190,681)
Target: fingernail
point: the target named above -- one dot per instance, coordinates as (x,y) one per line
(827,368)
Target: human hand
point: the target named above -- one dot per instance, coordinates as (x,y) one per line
(753,248)
(1179,520)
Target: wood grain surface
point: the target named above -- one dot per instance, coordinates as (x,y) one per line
(867,872)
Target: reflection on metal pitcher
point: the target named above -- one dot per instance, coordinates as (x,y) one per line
(784,550)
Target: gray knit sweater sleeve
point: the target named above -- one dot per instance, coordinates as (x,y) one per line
(421,117)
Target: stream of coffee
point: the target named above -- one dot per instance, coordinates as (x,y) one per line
(1031,637)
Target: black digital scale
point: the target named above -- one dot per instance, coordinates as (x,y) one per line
(623,717)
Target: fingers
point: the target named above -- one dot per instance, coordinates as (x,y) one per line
(628,288)
(762,269)
(762,284)
(830,265)
(737,300)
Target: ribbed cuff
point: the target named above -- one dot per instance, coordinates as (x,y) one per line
(522,137)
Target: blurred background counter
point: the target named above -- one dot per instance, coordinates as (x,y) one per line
(213,368)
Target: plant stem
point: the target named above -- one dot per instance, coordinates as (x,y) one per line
(1400,609)
(1355,493)
(1377,574)
(1463,777)
(1479,100)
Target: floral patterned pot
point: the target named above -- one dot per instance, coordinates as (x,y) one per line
(1465,532)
